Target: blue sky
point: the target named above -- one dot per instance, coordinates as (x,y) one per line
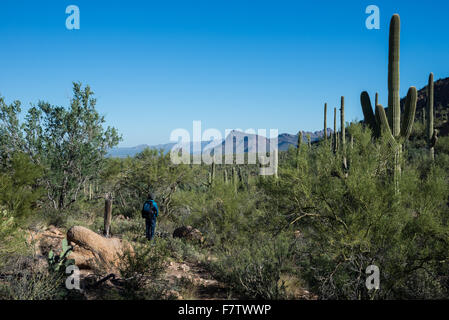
(158,65)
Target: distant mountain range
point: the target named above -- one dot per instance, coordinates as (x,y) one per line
(285,140)
(239,140)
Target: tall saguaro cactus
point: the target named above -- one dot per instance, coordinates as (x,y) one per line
(396,129)
(234,178)
(325,121)
(212,173)
(298,148)
(429,125)
(225,175)
(343,131)
(335,140)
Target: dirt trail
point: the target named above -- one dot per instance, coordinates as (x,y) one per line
(199,282)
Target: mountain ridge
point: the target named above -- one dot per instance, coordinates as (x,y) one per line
(285,140)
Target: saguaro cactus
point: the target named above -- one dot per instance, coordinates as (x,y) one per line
(225,175)
(212,172)
(107,215)
(325,121)
(335,140)
(396,129)
(276,162)
(343,131)
(298,148)
(429,125)
(234,178)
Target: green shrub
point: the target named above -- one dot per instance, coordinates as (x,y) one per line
(141,272)
(254,272)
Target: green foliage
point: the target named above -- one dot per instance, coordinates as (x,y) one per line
(150,171)
(69,144)
(141,272)
(254,271)
(350,222)
(33,285)
(60,262)
(318,220)
(19,189)
(12,241)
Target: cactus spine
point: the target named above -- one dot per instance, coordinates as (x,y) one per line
(397,131)
(430,129)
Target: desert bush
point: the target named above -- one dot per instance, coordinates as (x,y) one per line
(22,280)
(141,272)
(254,272)
(354,218)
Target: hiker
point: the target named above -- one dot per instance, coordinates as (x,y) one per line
(150,212)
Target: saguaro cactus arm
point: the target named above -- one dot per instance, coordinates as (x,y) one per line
(384,125)
(368,113)
(431,134)
(409,113)
(325,121)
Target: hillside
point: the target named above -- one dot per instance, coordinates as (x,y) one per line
(441,101)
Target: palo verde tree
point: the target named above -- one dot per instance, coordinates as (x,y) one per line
(70,144)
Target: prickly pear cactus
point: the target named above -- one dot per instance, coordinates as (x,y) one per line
(59,262)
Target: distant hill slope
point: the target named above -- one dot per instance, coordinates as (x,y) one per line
(285,140)
(248,144)
(441,105)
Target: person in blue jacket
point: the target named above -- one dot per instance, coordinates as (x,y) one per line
(150,211)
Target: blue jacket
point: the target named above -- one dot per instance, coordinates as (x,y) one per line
(154,206)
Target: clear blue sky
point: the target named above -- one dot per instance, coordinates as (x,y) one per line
(230,63)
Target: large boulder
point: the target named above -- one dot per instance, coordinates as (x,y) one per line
(91,250)
(188,233)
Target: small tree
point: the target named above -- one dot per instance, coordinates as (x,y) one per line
(71,144)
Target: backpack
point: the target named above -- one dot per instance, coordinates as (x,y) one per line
(148,209)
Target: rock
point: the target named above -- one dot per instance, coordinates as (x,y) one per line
(173,294)
(184,267)
(188,233)
(91,250)
(53,230)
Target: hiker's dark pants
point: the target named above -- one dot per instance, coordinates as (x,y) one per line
(150,224)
